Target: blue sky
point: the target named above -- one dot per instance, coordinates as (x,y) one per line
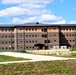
(43,11)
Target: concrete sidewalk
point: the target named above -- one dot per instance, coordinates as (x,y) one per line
(31,56)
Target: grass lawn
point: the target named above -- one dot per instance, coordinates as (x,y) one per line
(40,68)
(4,58)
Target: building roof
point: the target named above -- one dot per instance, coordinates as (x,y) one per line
(34,24)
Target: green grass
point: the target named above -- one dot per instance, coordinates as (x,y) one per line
(40,68)
(4,58)
(21,51)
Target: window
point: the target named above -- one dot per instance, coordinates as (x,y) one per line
(20,41)
(54,40)
(2,30)
(29,35)
(35,35)
(32,29)
(32,41)
(9,36)
(21,35)
(6,47)
(54,28)
(2,42)
(29,29)
(32,35)
(12,47)
(26,29)
(54,34)
(26,35)
(29,41)
(12,41)
(12,35)
(26,41)
(20,28)
(6,36)
(12,29)
(2,36)
(35,29)
(6,42)
(36,41)
(6,30)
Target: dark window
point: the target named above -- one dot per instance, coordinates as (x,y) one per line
(29,41)
(2,36)
(2,30)
(6,47)
(20,41)
(12,29)
(12,35)
(54,28)
(2,42)
(21,47)
(26,41)
(33,41)
(36,41)
(6,30)
(66,34)
(73,40)
(54,34)
(32,29)
(26,35)
(44,30)
(26,29)
(29,35)
(70,40)
(12,47)
(9,36)
(35,35)
(6,42)
(32,35)
(20,28)
(55,40)
(6,36)
(35,29)
(9,29)
(69,34)
(29,29)
(73,35)
(45,35)
(21,35)
(9,42)
(12,41)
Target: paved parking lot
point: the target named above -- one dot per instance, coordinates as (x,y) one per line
(32,56)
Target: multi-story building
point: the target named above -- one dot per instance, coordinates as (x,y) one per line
(37,36)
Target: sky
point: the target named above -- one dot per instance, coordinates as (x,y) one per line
(42,11)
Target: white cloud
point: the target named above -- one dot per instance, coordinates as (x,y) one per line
(49,17)
(61,1)
(74,8)
(43,18)
(30,11)
(60,22)
(13,11)
(25,1)
(72,22)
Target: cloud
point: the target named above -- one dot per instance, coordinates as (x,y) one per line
(74,8)
(25,1)
(60,22)
(61,1)
(72,22)
(24,11)
(43,18)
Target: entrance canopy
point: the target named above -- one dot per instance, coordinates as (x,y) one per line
(39,45)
